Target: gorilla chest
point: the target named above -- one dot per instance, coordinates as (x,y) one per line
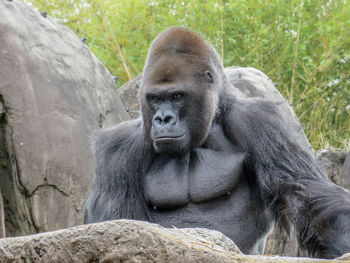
(240,215)
(202,176)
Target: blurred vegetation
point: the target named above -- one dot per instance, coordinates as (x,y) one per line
(304,46)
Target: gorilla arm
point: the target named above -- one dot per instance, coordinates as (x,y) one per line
(290,181)
(121,155)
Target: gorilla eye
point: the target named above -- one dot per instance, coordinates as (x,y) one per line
(153,98)
(209,76)
(177,96)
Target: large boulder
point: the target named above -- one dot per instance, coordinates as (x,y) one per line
(53,94)
(132,241)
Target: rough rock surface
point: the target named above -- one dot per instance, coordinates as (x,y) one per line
(333,163)
(346,171)
(53,94)
(129,241)
(129,96)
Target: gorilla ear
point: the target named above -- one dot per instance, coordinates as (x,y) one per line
(209,76)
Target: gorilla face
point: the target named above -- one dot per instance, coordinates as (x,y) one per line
(178,104)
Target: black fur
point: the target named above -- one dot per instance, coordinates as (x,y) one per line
(264,171)
(291,181)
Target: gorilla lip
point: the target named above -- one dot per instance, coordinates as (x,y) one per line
(165,138)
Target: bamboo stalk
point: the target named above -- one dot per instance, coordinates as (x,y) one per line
(126,68)
(222,31)
(295,55)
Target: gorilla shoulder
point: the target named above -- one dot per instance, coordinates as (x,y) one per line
(115,139)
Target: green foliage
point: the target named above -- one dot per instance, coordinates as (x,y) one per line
(302,45)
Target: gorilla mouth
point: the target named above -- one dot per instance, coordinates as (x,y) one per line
(171,144)
(168,137)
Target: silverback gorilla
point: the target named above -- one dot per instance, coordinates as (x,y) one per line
(202,155)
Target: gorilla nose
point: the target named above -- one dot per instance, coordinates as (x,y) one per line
(164,118)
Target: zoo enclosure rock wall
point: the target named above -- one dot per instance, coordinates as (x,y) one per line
(53,94)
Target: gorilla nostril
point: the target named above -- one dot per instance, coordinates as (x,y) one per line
(164,118)
(158,120)
(167,119)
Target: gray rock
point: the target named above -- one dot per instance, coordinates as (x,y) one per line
(252,82)
(130,241)
(332,162)
(346,172)
(53,94)
(129,96)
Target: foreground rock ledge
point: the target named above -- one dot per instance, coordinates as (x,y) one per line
(130,241)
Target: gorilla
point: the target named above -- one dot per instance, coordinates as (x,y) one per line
(204,155)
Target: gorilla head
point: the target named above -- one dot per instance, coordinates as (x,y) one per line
(180,91)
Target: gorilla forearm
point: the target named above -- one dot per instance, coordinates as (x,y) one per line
(324,225)
(290,180)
